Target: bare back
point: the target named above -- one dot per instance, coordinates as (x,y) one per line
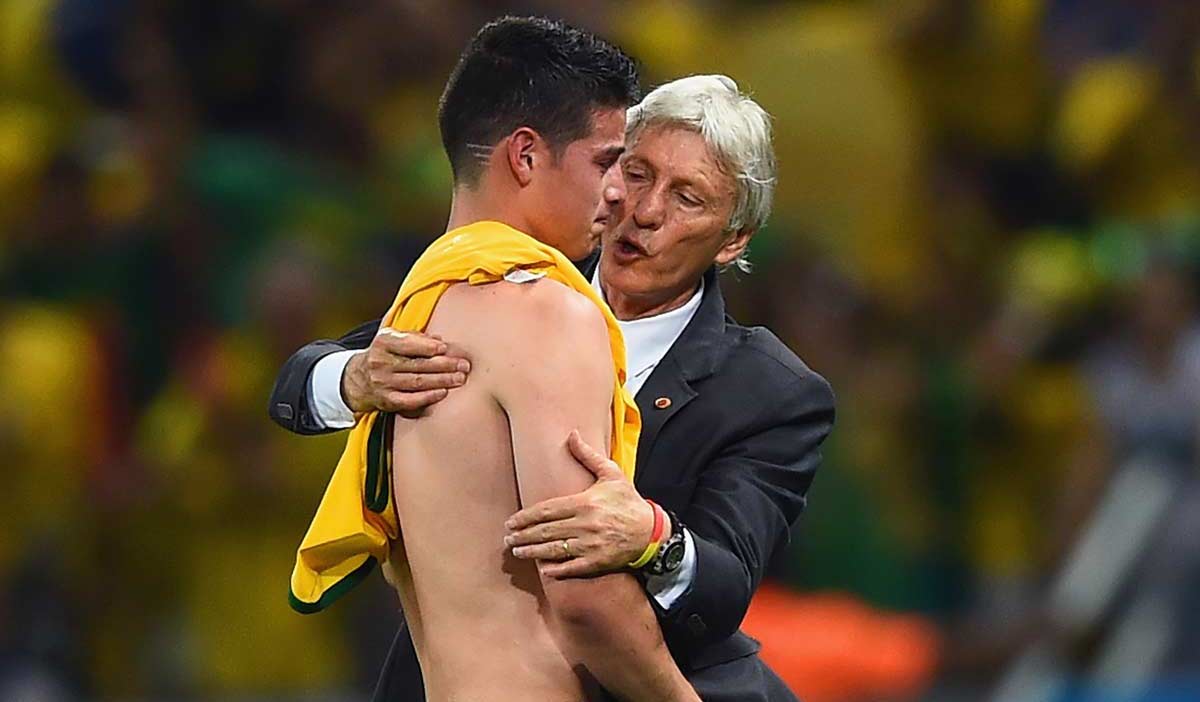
(479,616)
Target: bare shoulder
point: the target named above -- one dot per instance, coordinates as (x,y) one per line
(542,313)
(525,340)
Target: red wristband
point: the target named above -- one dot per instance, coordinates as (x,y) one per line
(660,522)
(656,535)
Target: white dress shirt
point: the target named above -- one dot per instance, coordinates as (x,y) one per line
(647,341)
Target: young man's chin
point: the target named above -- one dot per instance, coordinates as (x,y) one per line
(599,226)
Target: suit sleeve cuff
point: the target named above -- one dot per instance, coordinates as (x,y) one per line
(325,391)
(668,588)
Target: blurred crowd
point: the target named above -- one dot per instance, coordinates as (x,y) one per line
(986,237)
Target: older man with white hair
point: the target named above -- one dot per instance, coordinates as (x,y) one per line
(732,419)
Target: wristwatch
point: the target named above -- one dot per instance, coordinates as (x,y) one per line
(670,555)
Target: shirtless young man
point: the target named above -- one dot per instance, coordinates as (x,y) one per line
(533,121)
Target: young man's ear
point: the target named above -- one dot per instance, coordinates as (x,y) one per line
(522,146)
(734,246)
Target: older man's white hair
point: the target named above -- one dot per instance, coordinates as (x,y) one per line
(733,126)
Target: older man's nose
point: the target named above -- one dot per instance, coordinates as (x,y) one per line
(649,211)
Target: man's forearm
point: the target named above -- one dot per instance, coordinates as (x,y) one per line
(608,625)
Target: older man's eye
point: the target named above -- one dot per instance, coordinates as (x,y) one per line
(689,200)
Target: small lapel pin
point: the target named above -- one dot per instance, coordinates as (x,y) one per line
(662,402)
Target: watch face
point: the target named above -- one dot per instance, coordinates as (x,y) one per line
(674,557)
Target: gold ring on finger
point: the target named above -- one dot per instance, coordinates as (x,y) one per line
(566,548)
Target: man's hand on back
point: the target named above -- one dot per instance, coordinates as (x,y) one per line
(401,372)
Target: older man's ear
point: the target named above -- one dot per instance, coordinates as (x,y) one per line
(734,246)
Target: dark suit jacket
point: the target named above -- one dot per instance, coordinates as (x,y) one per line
(733,455)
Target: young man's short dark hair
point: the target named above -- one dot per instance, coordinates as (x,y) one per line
(529,72)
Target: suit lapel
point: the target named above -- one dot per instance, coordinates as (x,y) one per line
(665,386)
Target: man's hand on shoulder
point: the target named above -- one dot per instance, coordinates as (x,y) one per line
(401,372)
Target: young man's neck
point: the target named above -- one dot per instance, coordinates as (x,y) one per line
(470,205)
